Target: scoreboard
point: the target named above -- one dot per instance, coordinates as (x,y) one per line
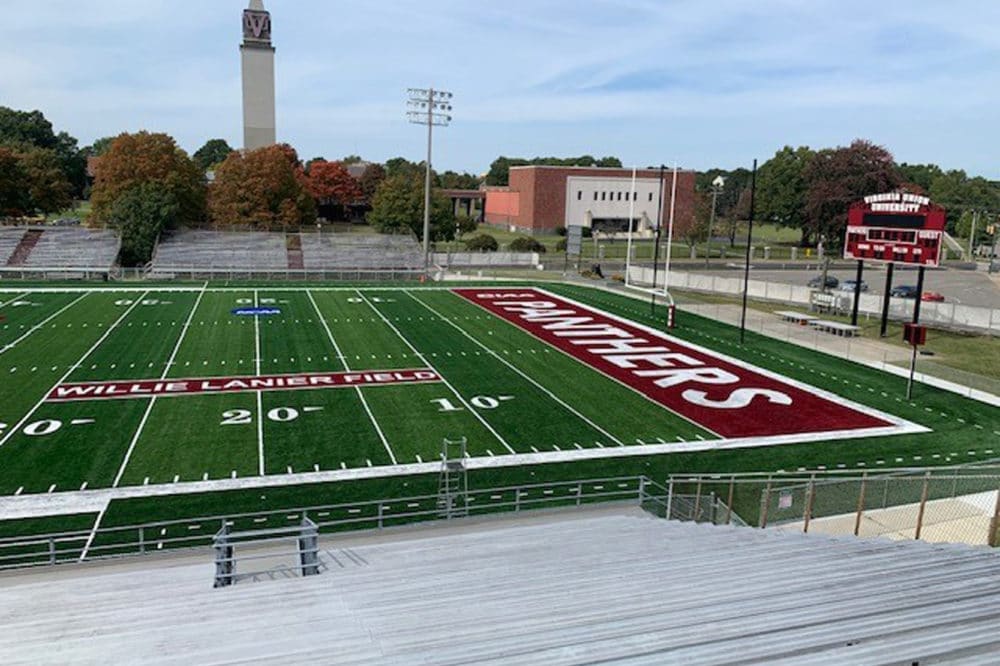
(895,227)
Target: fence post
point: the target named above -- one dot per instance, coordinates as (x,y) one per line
(729,501)
(765,501)
(994,535)
(142,540)
(52,551)
(923,505)
(807,512)
(670,496)
(642,490)
(517,499)
(861,503)
(380,511)
(712,511)
(579,493)
(697,501)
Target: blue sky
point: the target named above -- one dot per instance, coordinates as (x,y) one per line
(701,84)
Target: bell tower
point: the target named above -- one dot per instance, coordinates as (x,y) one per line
(257,54)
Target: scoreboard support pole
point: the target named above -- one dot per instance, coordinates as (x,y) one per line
(857,292)
(916,320)
(885,300)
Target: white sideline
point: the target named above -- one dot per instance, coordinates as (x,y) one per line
(497,356)
(39,325)
(443,380)
(361,396)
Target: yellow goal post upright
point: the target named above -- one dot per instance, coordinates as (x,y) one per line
(654,290)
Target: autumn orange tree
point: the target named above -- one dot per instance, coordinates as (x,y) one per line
(148,158)
(332,181)
(264,188)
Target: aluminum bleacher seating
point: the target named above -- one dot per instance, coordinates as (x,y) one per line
(74,248)
(361,251)
(10,238)
(211,250)
(560,590)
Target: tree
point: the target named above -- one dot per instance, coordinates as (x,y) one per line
(838,177)
(352,159)
(499,173)
(401,165)
(264,188)
(369,182)
(144,157)
(214,152)
(30,129)
(959,194)
(782,188)
(99,147)
(332,181)
(14,185)
(399,205)
(922,175)
(141,213)
(451,180)
(49,191)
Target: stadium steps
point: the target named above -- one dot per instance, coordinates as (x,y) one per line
(24,248)
(293,250)
(558,590)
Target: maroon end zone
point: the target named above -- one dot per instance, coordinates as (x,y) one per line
(729,398)
(147,388)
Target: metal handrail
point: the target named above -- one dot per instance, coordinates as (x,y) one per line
(149,537)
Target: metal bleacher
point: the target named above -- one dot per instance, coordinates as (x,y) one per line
(348,251)
(68,248)
(10,238)
(224,251)
(609,586)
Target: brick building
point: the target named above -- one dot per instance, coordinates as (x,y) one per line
(540,199)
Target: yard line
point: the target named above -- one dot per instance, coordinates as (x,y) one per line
(16,298)
(73,367)
(364,403)
(260,394)
(38,326)
(152,401)
(492,353)
(442,377)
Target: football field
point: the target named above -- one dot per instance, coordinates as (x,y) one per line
(198,389)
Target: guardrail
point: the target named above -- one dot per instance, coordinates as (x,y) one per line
(955,505)
(200,532)
(954,315)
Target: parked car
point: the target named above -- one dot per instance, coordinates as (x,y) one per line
(848,285)
(932,296)
(831,282)
(904,291)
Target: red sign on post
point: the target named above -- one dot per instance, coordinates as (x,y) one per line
(895,227)
(915,334)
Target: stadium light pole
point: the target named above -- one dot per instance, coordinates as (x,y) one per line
(746,268)
(432,108)
(717,186)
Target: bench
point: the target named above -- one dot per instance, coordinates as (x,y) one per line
(799,318)
(835,327)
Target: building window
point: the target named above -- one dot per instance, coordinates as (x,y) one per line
(579,195)
(604,196)
(650,196)
(595,195)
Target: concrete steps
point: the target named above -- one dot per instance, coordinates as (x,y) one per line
(24,248)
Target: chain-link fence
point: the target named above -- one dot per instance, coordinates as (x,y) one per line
(947,505)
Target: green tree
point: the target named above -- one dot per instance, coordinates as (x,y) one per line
(14,201)
(99,147)
(30,129)
(352,159)
(782,188)
(141,213)
(921,175)
(49,191)
(451,180)
(401,165)
(213,153)
(838,177)
(960,194)
(499,173)
(399,205)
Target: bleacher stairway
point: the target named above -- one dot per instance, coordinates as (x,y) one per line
(293,248)
(598,586)
(24,248)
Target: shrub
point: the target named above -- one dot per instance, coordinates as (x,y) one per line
(482,243)
(561,245)
(561,231)
(526,244)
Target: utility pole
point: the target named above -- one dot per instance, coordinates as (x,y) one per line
(432,108)
(972,235)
